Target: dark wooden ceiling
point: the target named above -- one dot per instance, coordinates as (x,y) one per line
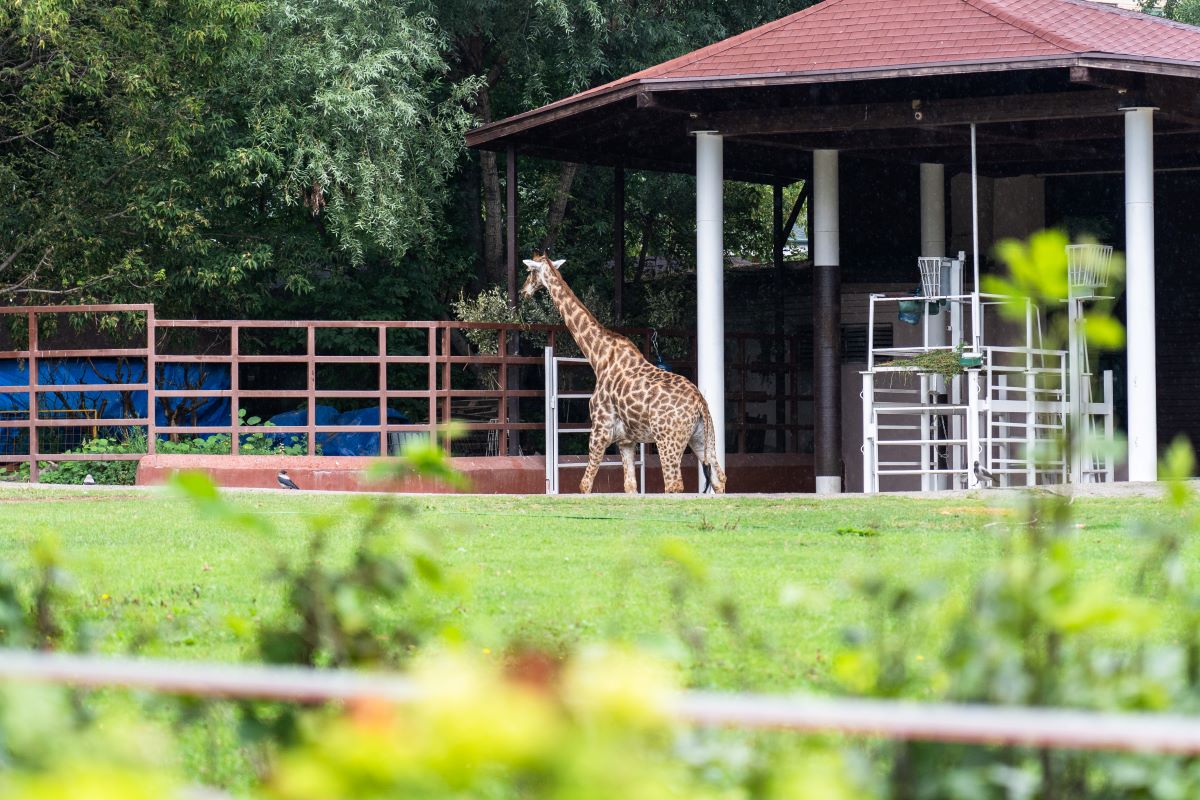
(1033,118)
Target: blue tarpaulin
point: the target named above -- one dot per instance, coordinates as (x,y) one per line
(358,444)
(211,412)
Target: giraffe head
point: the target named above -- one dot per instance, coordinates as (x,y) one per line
(540,268)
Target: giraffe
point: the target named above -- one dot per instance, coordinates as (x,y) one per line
(634,401)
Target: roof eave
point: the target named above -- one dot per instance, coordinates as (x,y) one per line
(493,135)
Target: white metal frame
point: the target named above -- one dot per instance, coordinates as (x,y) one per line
(999,414)
(554,430)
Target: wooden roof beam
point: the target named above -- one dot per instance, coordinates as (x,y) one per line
(1175,100)
(915,114)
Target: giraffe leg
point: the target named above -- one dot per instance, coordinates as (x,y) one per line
(628,453)
(598,443)
(670,456)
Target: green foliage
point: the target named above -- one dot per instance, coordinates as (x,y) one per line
(197,153)
(1179,10)
(117,473)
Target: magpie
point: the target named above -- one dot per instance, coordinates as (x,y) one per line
(285,482)
(88,480)
(982,475)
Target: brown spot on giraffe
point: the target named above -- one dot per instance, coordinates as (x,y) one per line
(634,401)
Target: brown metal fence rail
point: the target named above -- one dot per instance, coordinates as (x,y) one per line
(437,395)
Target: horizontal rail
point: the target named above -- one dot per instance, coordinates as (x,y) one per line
(76,422)
(896,719)
(82,309)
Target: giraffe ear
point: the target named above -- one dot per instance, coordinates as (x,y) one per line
(558,264)
(531,263)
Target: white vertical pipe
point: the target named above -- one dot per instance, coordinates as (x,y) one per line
(933,244)
(826,267)
(868,425)
(976,339)
(933,210)
(1139,294)
(710,279)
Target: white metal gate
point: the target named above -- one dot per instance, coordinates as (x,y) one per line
(555,429)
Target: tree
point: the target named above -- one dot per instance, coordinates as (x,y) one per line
(1179,10)
(529,54)
(223,155)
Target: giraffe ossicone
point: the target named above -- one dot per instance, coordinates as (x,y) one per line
(634,401)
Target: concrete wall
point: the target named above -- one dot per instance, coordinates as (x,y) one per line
(495,475)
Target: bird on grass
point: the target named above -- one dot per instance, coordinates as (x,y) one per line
(285,482)
(982,476)
(88,480)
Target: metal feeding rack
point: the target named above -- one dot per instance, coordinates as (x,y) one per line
(1009,407)
(1088,267)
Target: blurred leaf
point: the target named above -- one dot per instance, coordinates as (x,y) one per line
(680,553)
(1104,332)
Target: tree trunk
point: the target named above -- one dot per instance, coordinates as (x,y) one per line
(647,232)
(558,206)
(493,205)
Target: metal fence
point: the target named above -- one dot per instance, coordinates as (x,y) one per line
(894,719)
(764,370)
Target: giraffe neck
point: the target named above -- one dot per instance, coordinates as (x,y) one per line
(589,334)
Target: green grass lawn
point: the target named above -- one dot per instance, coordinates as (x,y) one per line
(551,572)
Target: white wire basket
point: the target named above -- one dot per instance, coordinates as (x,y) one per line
(1087,265)
(931,275)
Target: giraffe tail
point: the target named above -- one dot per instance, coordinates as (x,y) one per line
(710,449)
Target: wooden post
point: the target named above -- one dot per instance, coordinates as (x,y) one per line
(780,241)
(32,363)
(432,385)
(619,243)
(504,440)
(383,389)
(151,381)
(511,377)
(312,390)
(447,407)
(234,437)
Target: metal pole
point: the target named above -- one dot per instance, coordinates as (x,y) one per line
(827,290)
(976,338)
(551,417)
(933,245)
(898,719)
(710,279)
(869,434)
(1142,416)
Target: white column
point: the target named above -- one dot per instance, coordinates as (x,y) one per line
(933,244)
(710,279)
(1139,294)
(827,321)
(933,210)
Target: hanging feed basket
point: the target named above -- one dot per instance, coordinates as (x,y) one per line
(1087,265)
(931,275)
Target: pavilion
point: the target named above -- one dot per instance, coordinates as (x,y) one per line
(888,91)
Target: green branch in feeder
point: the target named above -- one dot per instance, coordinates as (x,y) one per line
(947,363)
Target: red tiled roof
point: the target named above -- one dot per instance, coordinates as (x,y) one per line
(858,34)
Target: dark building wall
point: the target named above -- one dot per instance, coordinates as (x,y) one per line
(1094,204)
(880,220)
